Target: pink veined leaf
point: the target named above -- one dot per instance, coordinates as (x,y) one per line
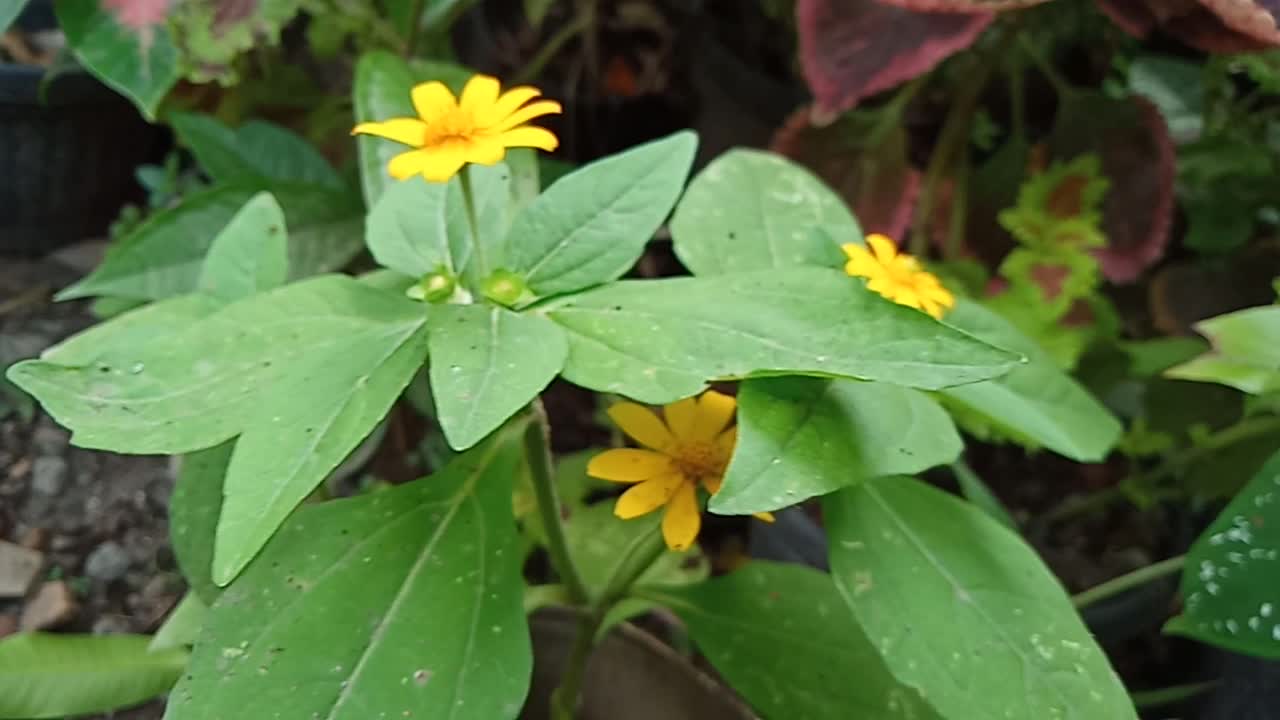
(1132,140)
(1215,26)
(875,180)
(963,6)
(138,15)
(850,49)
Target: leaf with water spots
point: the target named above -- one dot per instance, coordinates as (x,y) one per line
(801,437)
(661,340)
(1229,584)
(400,603)
(486,363)
(781,636)
(301,374)
(962,609)
(752,210)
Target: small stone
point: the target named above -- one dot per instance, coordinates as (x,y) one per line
(107,562)
(18,569)
(53,604)
(8,625)
(49,475)
(36,538)
(49,440)
(112,625)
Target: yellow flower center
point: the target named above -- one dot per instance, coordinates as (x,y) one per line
(455,126)
(699,459)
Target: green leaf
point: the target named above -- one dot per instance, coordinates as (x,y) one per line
(801,437)
(782,638)
(487,363)
(592,225)
(661,340)
(214,34)
(163,256)
(1245,353)
(495,193)
(1229,581)
(298,405)
(194,509)
(139,63)
(381,92)
(182,626)
(419,228)
(401,601)
(962,609)
(250,255)
(752,210)
(55,676)
(256,152)
(9,11)
(1036,403)
(133,329)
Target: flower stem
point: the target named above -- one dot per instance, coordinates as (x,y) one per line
(415,17)
(553,45)
(1128,581)
(538,453)
(638,558)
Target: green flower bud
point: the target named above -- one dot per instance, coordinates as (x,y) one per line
(436,287)
(505,287)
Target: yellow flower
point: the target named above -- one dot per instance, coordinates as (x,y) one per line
(897,276)
(449,133)
(690,444)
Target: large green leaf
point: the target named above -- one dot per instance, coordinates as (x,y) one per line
(182,626)
(1037,404)
(487,363)
(381,92)
(56,676)
(752,210)
(9,11)
(194,509)
(254,152)
(781,636)
(301,374)
(661,340)
(591,226)
(401,603)
(419,227)
(1232,599)
(801,437)
(134,328)
(962,609)
(1245,353)
(496,196)
(163,256)
(250,255)
(139,62)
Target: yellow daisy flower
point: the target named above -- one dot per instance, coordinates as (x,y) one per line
(897,276)
(690,444)
(477,128)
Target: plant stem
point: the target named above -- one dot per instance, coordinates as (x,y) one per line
(415,17)
(477,245)
(553,46)
(1128,581)
(538,453)
(638,558)
(1241,431)
(1164,696)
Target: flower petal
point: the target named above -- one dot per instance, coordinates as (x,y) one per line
(682,520)
(529,112)
(884,248)
(408,131)
(681,416)
(534,137)
(642,425)
(643,498)
(479,95)
(712,483)
(715,410)
(861,262)
(765,516)
(727,441)
(432,100)
(407,164)
(485,150)
(507,103)
(628,465)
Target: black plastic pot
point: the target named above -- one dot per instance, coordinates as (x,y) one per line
(66,160)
